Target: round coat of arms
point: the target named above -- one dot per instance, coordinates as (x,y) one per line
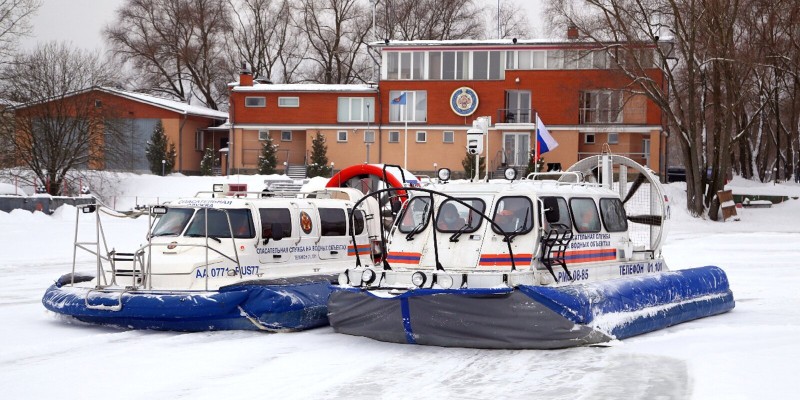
(464,101)
(305,222)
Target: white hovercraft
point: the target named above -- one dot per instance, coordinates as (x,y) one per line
(552,261)
(228,259)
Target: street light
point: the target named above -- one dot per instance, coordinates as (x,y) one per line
(163,167)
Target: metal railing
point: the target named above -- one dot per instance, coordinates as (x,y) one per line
(514,115)
(141,272)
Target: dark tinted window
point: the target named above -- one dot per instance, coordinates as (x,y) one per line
(358,222)
(281,216)
(613,213)
(514,215)
(584,215)
(556,211)
(218,223)
(415,216)
(334,222)
(456,217)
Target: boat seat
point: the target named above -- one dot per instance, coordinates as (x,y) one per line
(554,248)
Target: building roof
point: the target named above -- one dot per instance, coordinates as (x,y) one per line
(167,104)
(306,87)
(172,105)
(555,42)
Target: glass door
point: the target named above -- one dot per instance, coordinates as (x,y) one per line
(516,148)
(518,106)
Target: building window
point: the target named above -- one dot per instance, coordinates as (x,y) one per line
(435,65)
(198,140)
(394,137)
(422,136)
(392,65)
(98,103)
(601,107)
(448,137)
(588,138)
(369,136)
(341,136)
(356,109)
(613,138)
(263,135)
(288,102)
(555,59)
(286,136)
(413,103)
(255,101)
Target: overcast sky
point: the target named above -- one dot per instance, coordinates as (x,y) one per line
(81,21)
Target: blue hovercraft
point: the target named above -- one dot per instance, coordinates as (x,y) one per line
(228,259)
(552,261)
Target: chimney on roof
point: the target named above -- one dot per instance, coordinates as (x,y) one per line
(245,77)
(572,32)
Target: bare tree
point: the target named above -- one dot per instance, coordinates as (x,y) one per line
(177,47)
(513,21)
(265,37)
(58,126)
(694,46)
(430,20)
(14,23)
(336,31)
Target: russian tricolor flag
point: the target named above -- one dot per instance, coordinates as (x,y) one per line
(545,142)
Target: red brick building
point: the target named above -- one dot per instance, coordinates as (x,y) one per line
(137,114)
(582,100)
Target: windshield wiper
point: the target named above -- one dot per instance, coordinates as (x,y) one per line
(512,235)
(417,229)
(454,237)
(199,235)
(164,234)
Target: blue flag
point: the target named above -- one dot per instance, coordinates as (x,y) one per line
(400,99)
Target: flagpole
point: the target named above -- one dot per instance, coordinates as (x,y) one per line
(536,143)
(405,139)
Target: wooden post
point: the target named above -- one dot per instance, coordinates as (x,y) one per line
(727,205)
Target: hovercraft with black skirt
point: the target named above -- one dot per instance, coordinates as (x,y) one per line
(551,261)
(228,259)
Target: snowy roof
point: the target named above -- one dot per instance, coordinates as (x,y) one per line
(167,104)
(172,105)
(306,87)
(561,42)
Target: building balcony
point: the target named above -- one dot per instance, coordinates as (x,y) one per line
(514,116)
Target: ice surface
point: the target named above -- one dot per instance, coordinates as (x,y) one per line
(748,353)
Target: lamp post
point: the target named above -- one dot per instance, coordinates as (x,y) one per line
(368,141)
(332,164)
(163,167)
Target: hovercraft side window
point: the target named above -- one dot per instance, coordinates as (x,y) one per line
(613,213)
(358,222)
(241,222)
(333,222)
(513,215)
(556,211)
(173,222)
(456,217)
(282,216)
(415,216)
(584,215)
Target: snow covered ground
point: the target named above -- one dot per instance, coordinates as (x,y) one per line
(751,352)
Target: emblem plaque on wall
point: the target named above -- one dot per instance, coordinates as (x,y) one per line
(464,101)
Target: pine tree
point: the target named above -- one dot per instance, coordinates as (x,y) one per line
(268,159)
(534,166)
(157,151)
(207,163)
(469,166)
(319,157)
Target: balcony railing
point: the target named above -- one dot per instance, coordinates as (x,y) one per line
(514,116)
